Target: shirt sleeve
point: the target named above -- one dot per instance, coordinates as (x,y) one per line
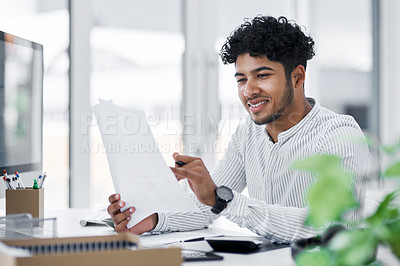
(178,222)
(278,223)
(346,140)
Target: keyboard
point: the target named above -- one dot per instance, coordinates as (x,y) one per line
(196,255)
(97,218)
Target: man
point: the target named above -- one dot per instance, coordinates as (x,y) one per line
(270,56)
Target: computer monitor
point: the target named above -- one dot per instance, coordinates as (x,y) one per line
(21,108)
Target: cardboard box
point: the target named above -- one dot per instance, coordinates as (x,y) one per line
(146,257)
(25,201)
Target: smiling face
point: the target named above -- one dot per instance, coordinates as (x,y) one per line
(263,88)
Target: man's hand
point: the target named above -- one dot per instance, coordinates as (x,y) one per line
(121,219)
(198,177)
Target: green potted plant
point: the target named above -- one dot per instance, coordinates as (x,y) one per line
(329,197)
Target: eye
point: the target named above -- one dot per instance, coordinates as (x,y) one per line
(263,75)
(241,80)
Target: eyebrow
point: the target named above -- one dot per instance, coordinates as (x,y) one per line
(254,70)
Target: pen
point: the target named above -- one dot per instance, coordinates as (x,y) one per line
(8,181)
(19,181)
(180,163)
(198,239)
(194,239)
(5,179)
(43,179)
(14,181)
(39,180)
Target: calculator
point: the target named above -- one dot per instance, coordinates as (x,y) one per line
(197,255)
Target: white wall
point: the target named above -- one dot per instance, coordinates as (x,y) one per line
(390,69)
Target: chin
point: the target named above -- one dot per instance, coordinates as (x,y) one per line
(266,119)
(257,119)
(259,122)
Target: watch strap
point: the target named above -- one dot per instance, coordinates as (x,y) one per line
(220,203)
(219,206)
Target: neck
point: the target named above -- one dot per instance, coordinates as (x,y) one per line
(292,115)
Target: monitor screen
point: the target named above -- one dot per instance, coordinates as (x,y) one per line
(21,91)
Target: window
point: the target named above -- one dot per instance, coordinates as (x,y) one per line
(136,62)
(47,23)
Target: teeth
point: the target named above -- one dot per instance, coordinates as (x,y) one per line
(256,105)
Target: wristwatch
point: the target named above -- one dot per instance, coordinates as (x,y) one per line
(223,195)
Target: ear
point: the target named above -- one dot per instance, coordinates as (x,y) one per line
(298,76)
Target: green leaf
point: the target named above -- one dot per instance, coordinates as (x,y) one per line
(328,199)
(356,247)
(394,241)
(376,263)
(393,170)
(384,212)
(331,195)
(319,257)
(381,232)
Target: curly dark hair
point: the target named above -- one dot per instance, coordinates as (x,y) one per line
(279,39)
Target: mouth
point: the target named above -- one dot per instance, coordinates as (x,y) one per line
(256,106)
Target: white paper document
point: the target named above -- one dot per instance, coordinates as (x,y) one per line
(138,170)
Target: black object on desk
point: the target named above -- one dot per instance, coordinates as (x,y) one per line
(242,244)
(301,245)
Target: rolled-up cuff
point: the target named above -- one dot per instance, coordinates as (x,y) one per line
(161,225)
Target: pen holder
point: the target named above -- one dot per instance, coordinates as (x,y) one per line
(25,201)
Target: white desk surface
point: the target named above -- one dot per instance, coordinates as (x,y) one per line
(68,226)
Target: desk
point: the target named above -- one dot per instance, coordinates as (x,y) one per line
(68,226)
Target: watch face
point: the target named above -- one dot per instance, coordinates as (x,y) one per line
(224,193)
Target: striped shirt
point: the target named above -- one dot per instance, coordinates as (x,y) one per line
(276,207)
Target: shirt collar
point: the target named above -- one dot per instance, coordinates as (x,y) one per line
(315,108)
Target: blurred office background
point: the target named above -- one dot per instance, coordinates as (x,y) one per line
(162,57)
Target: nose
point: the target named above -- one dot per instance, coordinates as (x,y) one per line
(251,88)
